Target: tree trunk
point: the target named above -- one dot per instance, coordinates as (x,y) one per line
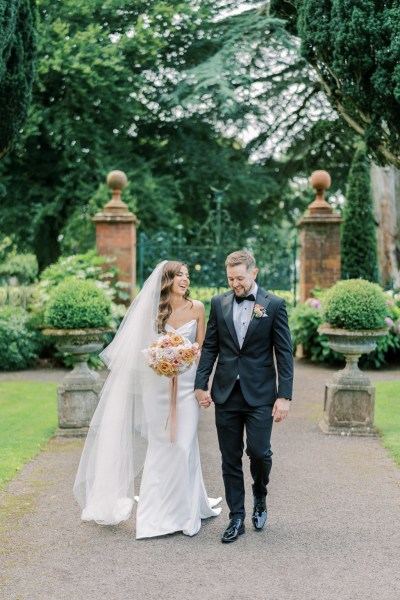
(385,184)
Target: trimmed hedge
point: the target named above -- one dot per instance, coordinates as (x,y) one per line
(355,304)
(78,304)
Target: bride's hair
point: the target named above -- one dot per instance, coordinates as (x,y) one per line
(171,268)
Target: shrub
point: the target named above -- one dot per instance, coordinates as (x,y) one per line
(306,318)
(23,267)
(355,304)
(304,321)
(19,344)
(83,267)
(388,346)
(78,304)
(80,266)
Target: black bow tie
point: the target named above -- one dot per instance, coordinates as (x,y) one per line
(240,299)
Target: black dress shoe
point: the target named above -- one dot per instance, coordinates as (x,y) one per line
(232,532)
(259,516)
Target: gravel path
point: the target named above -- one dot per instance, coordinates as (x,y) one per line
(333,529)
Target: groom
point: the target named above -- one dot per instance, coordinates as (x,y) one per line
(245,330)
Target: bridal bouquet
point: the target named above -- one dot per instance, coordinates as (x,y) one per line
(171,354)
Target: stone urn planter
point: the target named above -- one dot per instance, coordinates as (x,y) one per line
(350,398)
(78,316)
(352,344)
(355,311)
(78,392)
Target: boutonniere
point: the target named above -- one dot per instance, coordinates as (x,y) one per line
(258,311)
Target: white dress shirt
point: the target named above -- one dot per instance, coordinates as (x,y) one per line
(242,315)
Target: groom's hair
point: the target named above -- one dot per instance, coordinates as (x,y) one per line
(240,257)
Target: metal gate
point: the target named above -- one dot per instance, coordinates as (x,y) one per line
(277,264)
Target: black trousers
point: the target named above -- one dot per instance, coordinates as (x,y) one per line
(231,418)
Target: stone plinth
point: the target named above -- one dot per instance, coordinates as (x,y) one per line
(320,263)
(76,405)
(78,394)
(350,398)
(116,232)
(349,410)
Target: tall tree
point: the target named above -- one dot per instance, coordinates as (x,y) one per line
(17,66)
(359,249)
(101,67)
(353,46)
(100,102)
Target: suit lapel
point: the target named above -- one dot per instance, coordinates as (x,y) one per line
(262,298)
(227,311)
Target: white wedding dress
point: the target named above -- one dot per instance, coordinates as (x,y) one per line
(172,493)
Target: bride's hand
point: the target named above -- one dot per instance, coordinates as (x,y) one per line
(203,398)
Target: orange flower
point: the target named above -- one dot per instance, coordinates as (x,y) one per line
(187,355)
(176,340)
(165,368)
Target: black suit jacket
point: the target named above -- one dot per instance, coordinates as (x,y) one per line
(254,362)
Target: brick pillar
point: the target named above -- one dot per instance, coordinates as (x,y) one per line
(320,262)
(116,232)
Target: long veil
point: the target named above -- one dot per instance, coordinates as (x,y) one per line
(115,446)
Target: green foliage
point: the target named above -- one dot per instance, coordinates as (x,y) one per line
(304,321)
(81,266)
(78,304)
(28,418)
(172,151)
(353,47)
(85,267)
(17,66)
(355,304)
(19,344)
(78,130)
(24,267)
(388,346)
(6,247)
(359,250)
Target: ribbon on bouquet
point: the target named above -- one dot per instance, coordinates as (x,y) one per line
(173,395)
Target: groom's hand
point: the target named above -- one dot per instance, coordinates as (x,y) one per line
(203,398)
(280,409)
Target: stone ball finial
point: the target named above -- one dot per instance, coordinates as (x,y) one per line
(117,180)
(320,181)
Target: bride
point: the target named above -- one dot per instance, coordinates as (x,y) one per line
(134,408)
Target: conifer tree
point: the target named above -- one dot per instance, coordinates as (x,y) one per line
(17,61)
(359,250)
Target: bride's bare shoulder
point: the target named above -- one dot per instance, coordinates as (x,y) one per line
(198,308)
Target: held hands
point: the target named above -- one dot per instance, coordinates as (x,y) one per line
(280,409)
(203,398)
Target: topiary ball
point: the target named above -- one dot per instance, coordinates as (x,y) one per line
(355,304)
(78,304)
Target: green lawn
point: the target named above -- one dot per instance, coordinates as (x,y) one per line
(387,416)
(28,416)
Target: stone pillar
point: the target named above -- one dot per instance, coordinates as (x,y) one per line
(116,232)
(320,262)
